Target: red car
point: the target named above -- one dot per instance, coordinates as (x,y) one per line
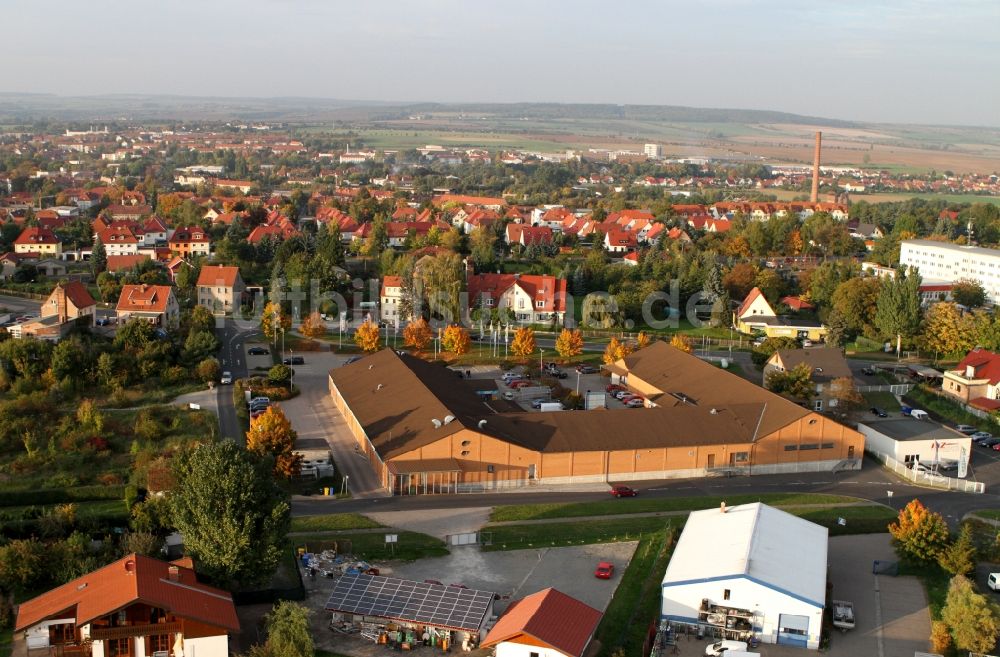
(519,384)
(614,387)
(604,570)
(623,491)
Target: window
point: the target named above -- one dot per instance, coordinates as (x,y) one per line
(808,446)
(118,647)
(741,457)
(540,304)
(826,446)
(532,654)
(159,643)
(725,594)
(466,443)
(465,452)
(490,468)
(791,448)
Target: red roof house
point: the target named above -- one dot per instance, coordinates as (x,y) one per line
(547,619)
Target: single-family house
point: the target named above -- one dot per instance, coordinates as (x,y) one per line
(220,288)
(41,241)
(975,380)
(531,298)
(190,242)
(827,364)
(617,240)
(118,239)
(755,314)
(157,304)
(390,298)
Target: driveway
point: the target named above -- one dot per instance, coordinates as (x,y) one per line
(320,424)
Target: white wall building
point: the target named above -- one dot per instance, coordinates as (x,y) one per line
(750,569)
(653,151)
(909,440)
(943,261)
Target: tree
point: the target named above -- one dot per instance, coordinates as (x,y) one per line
(271,434)
(135,335)
(199,345)
(739,280)
(763,353)
(959,558)
(615,351)
(969,293)
(770,284)
(523,344)
(856,300)
(796,382)
(98,258)
(940,638)
(973,618)
(569,343)
(946,331)
(209,370)
(273,319)
(313,326)
(456,340)
(641,340)
(280,374)
(919,534)
(681,342)
(846,393)
(898,308)
(233,516)
(288,632)
(417,334)
(200,319)
(367,337)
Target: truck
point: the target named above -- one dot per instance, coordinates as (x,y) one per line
(548,407)
(843,615)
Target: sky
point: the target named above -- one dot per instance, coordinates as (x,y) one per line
(867,60)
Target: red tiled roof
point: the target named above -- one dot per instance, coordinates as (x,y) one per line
(390,281)
(117,263)
(78,295)
(33,235)
(190,235)
(118,232)
(551,291)
(795,303)
(551,617)
(985,365)
(218,275)
(144,298)
(754,293)
(134,578)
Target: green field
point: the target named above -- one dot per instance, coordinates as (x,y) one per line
(411,545)
(332,522)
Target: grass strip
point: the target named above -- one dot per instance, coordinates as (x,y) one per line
(410,546)
(332,522)
(515,512)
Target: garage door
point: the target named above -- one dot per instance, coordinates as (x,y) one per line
(793,630)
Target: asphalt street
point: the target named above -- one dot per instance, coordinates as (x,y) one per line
(232,358)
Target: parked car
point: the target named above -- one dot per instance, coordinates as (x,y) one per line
(103,321)
(294,360)
(980,436)
(258,351)
(520,383)
(586,369)
(537,404)
(623,491)
(967,429)
(604,570)
(868,371)
(226,378)
(352,359)
(878,411)
(725,647)
(807,343)
(614,387)
(559,374)
(621,394)
(509,396)
(636,402)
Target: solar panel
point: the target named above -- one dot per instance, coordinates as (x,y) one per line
(417,602)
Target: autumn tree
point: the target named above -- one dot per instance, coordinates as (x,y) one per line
(367,337)
(946,331)
(271,434)
(569,343)
(523,344)
(272,320)
(959,558)
(846,393)
(456,340)
(968,292)
(739,280)
(974,619)
(682,342)
(615,351)
(940,638)
(919,534)
(208,370)
(417,334)
(642,340)
(796,382)
(313,326)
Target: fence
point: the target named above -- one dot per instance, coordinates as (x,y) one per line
(930,479)
(896,389)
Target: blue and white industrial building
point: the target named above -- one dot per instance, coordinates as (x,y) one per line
(749,570)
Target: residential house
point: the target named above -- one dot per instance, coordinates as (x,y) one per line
(40,241)
(118,239)
(975,380)
(157,304)
(827,364)
(9,262)
(527,235)
(220,288)
(755,314)
(152,232)
(135,607)
(68,306)
(175,264)
(532,299)
(190,242)
(128,212)
(390,298)
(617,240)
(548,622)
(119,264)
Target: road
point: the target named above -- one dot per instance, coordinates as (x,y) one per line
(17,305)
(232,358)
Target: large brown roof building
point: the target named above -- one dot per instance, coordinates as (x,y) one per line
(425,431)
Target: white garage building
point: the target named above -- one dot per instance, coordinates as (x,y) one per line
(749,570)
(910,441)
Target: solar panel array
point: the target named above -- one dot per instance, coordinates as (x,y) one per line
(399,599)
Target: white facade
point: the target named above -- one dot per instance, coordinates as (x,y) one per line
(390,305)
(512,649)
(952,262)
(653,150)
(939,443)
(767,563)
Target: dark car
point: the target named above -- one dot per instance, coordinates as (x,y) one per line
(352,359)
(868,371)
(294,360)
(258,351)
(878,411)
(623,491)
(586,369)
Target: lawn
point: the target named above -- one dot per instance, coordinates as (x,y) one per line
(884,400)
(410,546)
(332,522)
(515,512)
(944,408)
(584,532)
(990,514)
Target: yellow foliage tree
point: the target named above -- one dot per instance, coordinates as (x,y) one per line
(681,342)
(417,334)
(367,337)
(272,319)
(947,331)
(313,326)
(615,351)
(523,344)
(641,340)
(271,434)
(919,534)
(456,340)
(569,343)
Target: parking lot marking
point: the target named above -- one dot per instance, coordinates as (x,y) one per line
(878,620)
(541,555)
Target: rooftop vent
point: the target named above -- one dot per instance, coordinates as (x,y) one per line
(448,419)
(174,573)
(722,507)
(714,411)
(482,424)
(379,386)
(436,422)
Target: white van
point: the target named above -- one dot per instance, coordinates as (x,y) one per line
(993,581)
(918,414)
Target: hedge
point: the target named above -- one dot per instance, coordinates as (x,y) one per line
(60,495)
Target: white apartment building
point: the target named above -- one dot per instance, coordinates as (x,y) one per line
(944,261)
(653,151)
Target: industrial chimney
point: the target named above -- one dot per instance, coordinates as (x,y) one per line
(814,197)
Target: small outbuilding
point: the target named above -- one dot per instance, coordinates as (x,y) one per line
(750,571)
(911,441)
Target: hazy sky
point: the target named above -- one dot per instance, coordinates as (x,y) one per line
(917,61)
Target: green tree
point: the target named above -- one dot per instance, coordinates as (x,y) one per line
(973,618)
(959,558)
(856,300)
(134,335)
(209,370)
(279,374)
(232,515)
(288,632)
(919,534)
(897,312)
(946,331)
(28,357)
(98,258)
(199,346)
(796,382)
(200,319)
(763,353)
(969,293)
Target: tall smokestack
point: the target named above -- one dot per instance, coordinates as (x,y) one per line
(814,197)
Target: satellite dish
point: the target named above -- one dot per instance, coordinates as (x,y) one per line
(448,419)
(436,422)
(482,423)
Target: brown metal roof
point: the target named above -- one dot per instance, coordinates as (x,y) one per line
(827,363)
